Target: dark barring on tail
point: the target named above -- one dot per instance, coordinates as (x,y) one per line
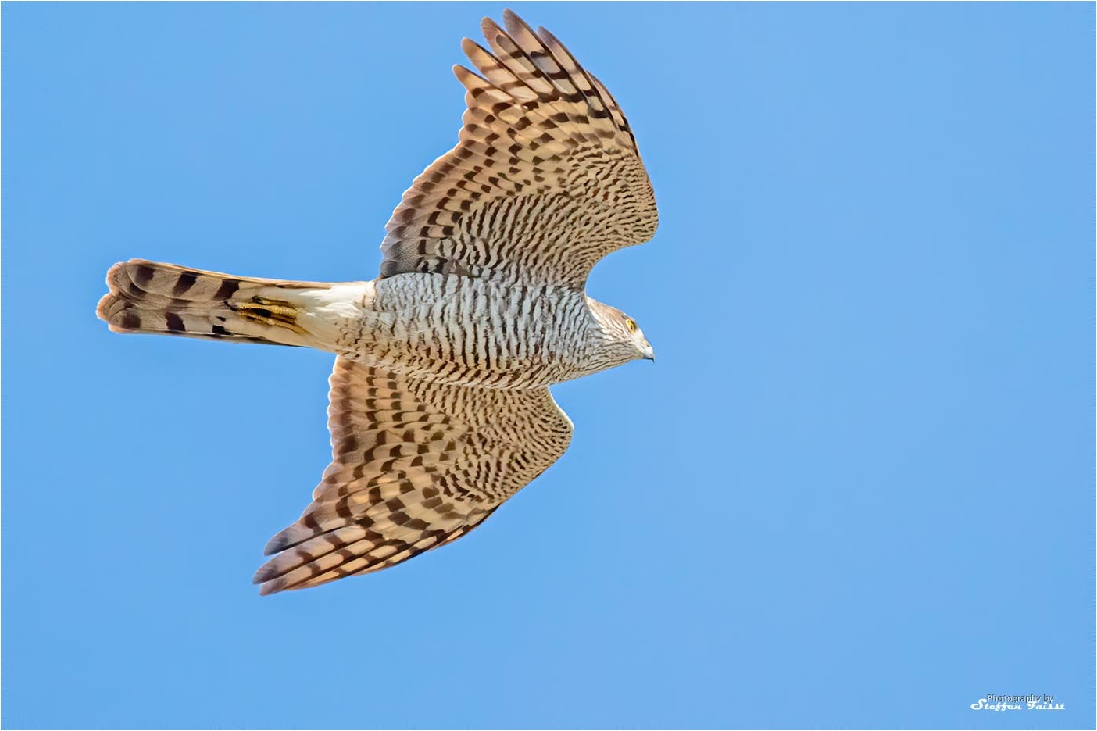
(166,299)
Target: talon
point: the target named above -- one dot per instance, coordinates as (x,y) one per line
(270,312)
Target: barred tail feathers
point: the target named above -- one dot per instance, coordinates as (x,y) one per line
(166,299)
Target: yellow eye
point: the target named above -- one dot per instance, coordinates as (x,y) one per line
(631,325)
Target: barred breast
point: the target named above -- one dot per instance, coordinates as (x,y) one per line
(474,332)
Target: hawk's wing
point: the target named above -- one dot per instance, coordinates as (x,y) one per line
(415,465)
(546,178)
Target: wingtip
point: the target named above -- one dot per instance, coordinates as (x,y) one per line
(262,574)
(490,28)
(276,545)
(270,581)
(514,23)
(271,587)
(546,35)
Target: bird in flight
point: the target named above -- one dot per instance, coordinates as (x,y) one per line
(439,404)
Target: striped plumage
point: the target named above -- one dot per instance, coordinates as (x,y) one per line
(439,404)
(545,181)
(415,465)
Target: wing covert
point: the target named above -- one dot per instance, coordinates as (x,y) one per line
(415,465)
(545,180)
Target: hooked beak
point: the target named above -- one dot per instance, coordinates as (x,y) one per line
(649,353)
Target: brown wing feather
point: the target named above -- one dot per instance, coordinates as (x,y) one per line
(415,466)
(545,181)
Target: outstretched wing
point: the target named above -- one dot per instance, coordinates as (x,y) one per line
(416,465)
(545,181)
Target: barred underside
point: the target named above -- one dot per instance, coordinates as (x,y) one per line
(545,181)
(415,465)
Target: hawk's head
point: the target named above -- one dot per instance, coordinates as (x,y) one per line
(622,338)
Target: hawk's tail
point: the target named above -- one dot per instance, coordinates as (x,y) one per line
(150,297)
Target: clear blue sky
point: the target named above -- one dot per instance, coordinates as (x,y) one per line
(856,490)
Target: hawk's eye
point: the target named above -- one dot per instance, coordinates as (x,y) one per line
(631,324)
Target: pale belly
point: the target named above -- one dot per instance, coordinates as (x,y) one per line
(451,329)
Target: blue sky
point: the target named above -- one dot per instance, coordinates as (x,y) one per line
(856,490)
